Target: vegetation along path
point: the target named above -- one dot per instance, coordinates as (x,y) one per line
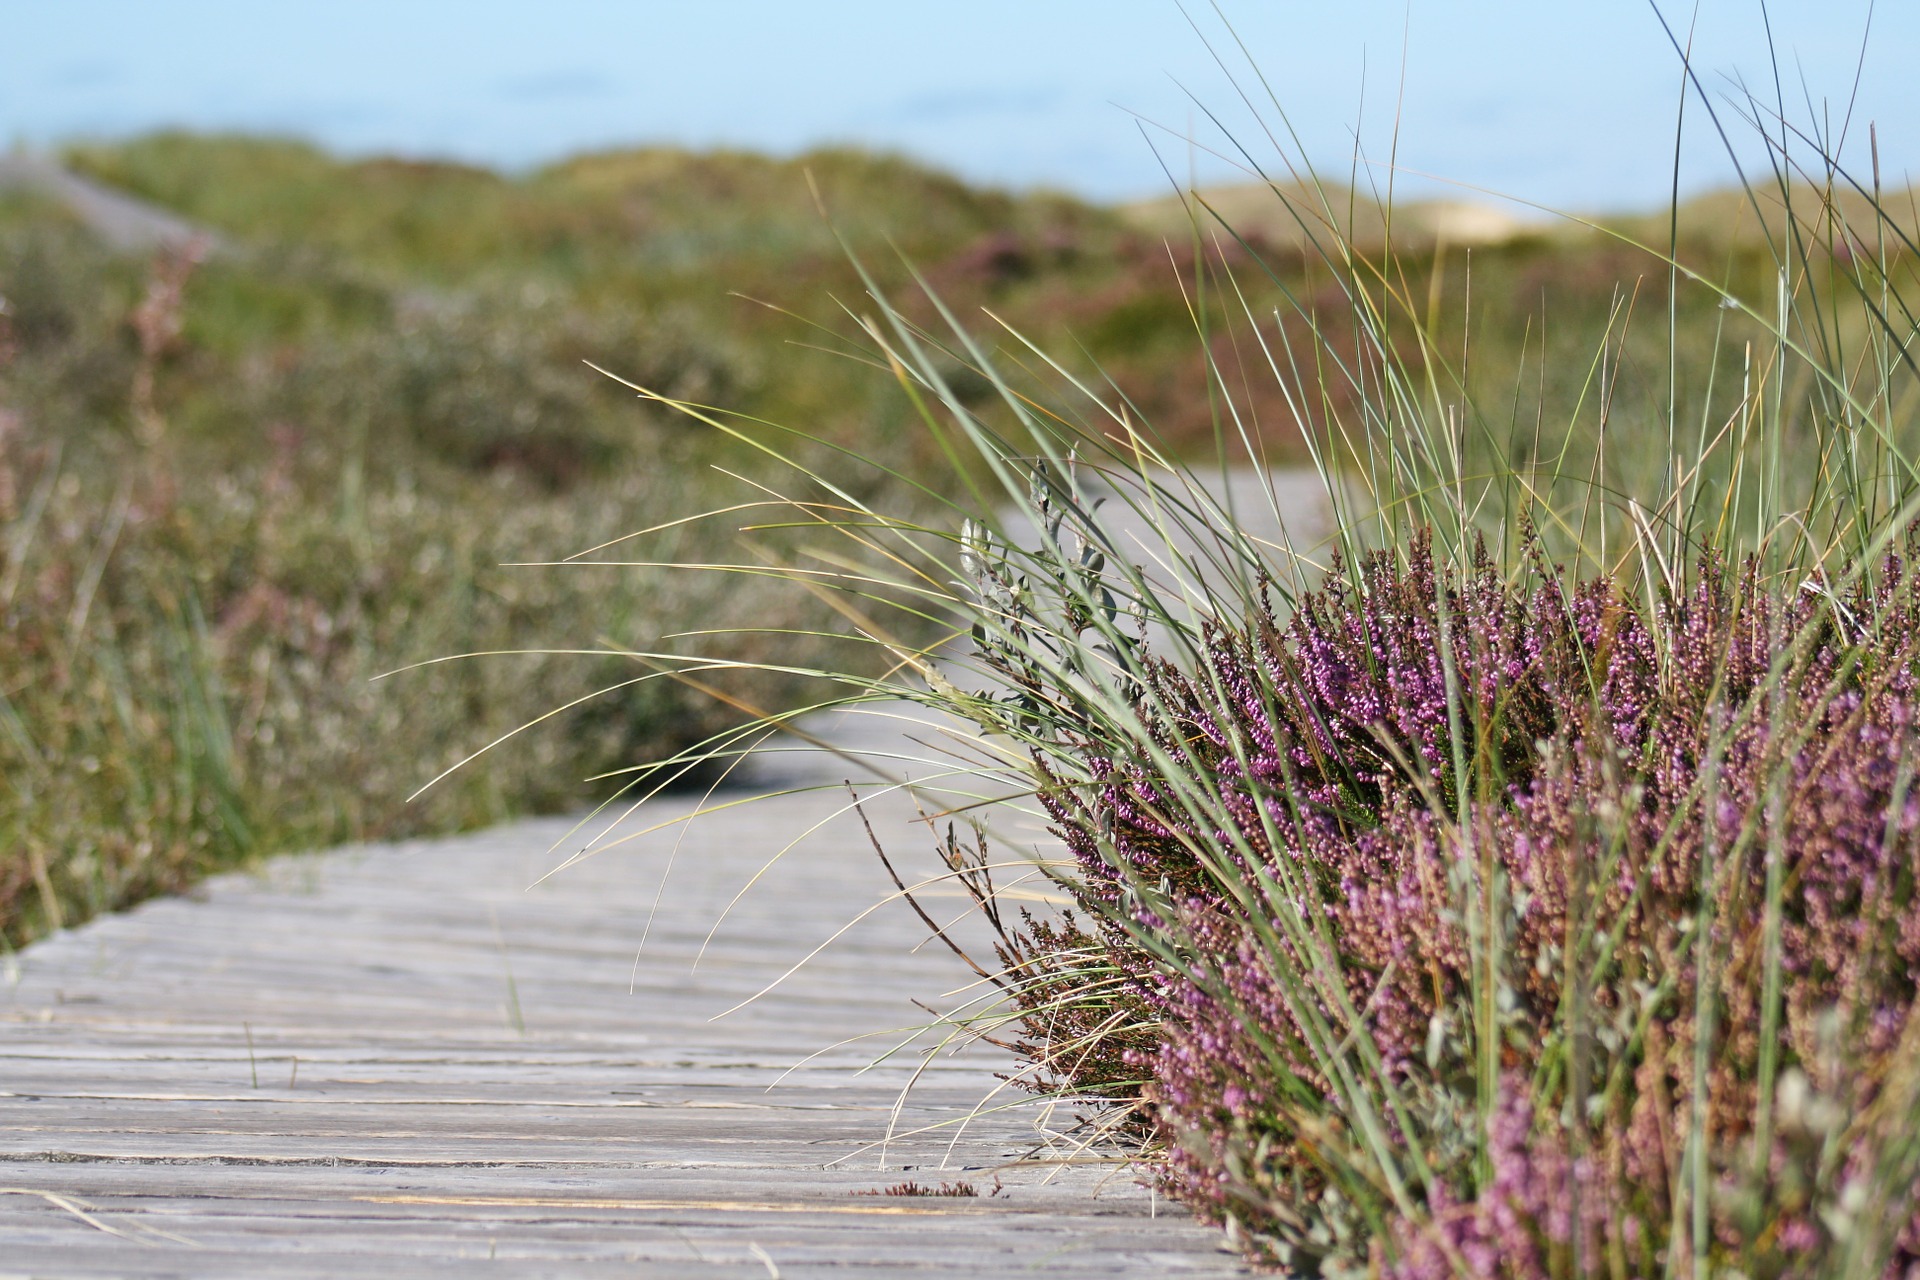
(400,1059)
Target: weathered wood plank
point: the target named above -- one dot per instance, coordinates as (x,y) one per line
(414,1058)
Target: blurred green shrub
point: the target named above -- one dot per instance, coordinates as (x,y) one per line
(198,587)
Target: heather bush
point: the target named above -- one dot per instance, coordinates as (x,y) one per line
(1600,829)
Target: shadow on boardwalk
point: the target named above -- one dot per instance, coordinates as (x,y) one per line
(399,1059)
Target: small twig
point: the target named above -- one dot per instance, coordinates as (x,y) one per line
(913,902)
(79,1209)
(766,1260)
(514,1017)
(97,564)
(982,892)
(977,1034)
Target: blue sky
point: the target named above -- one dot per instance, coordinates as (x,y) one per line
(1566,102)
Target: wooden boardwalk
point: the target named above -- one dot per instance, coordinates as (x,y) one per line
(402,1060)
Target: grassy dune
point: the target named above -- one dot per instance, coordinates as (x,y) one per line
(231,493)
(234,492)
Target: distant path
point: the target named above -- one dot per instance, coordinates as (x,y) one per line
(400,1060)
(124,222)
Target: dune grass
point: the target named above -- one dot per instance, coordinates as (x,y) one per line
(1525,881)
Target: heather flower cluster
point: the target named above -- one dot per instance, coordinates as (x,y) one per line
(1485,914)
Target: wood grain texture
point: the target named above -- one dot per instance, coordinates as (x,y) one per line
(423,1059)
